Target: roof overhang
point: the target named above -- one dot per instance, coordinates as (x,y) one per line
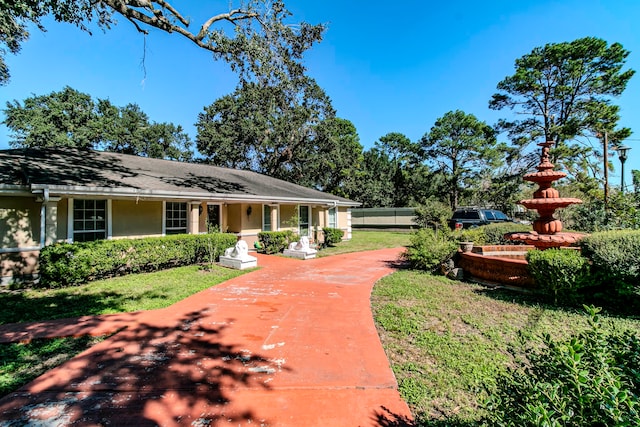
(15,190)
(145,194)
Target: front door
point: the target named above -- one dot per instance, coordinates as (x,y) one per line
(213,217)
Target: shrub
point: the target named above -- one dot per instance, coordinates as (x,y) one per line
(558,272)
(429,249)
(64,264)
(274,242)
(475,235)
(332,235)
(432,213)
(614,256)
(495,232)
(621,212)
(590,379)
(491,234)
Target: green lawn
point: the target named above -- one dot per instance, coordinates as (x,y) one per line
(368,240)
(134,292)
(447,341)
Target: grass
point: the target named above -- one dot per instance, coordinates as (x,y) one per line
(21,363)
(134,292)
(447,341)
(366,241)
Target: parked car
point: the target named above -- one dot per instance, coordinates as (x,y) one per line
(475,217)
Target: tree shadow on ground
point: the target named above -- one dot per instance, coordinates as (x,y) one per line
(384,417)
(152,374)
(627,306)
(387,418)
(21,308)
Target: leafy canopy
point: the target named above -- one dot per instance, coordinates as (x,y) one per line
(258,28)
(278,121)
(73,119)
(563,91)
(463,150)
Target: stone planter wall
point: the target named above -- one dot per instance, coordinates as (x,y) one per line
(501,265)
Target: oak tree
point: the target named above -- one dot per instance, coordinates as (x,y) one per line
(267,128)
(70,118)
(259,29)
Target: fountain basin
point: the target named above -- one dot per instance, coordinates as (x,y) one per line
(550,204)
(503,265)
(544,176)
(546,241)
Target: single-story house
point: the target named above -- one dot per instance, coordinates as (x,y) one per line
(53,194)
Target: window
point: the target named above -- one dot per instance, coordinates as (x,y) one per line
(266,218)
(89,220)
(333,218)
(176,218)
(304,220)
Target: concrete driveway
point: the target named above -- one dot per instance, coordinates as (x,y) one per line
(291,344)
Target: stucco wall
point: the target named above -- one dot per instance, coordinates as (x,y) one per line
(344,222)
(234,218)
(131,219)
(19,228)
(17,264)
(251,224)
(19,222)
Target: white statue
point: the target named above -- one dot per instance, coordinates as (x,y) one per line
(300,249)
(238,257)
(302,245)
(239,251)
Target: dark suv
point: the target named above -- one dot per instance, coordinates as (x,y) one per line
(474,217)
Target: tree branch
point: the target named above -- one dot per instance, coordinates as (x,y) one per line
(134,11)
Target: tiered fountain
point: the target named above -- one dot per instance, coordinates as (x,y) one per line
(506,265)
(547,229)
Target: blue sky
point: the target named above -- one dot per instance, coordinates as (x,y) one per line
(387,66)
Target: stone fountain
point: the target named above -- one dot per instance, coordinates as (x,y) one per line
(506,265)
(547,230)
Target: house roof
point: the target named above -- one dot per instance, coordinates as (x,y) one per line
(97,173)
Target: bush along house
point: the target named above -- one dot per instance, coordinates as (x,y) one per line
(53,194)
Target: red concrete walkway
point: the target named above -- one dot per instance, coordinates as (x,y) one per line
(291,344)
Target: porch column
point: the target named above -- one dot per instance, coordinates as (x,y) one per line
(193,224)
(51,220)
(274,218)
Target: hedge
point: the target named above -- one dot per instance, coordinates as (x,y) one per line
(491,234)
(332,235)
(588,379)
(274,242)
(615,259)
(65,264)
(558,273)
